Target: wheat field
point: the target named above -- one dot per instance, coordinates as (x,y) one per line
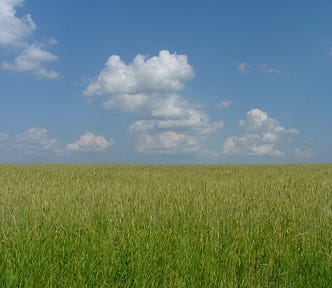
(165,226)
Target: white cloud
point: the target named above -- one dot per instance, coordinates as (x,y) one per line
(15,33)
(148,84)
(261,135)
(292,131)
(304,153)
(36,141)
(33,58)
(167,142)
(268,69)
(33,141)
(149,87)
(255,119)
(194,122)
(329,51)
(225,104)
(90,142)
(163,73)
(172,136)
(4,137)
(14,30)
(126,102)
(243,67)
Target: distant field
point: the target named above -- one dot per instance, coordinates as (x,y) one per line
(165,226)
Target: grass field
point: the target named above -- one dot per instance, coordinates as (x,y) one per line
(165,226)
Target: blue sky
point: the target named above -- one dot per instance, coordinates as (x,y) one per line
(165,81)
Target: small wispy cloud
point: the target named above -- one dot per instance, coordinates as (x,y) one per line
(225,104)
(4,137)
(329,51)
(268,69)
(243,67)
(304,153)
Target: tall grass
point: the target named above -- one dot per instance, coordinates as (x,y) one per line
(165,226)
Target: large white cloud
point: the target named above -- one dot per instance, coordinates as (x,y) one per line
(163,73)
(150,87)
(261,136)
(90,142)
(15,33)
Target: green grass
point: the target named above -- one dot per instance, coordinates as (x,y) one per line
(165,226)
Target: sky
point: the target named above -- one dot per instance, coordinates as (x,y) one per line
(150,81)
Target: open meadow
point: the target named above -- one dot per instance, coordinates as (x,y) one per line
(165,226)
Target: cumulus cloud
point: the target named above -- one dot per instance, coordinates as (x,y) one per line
(172,136)
(33,58)
(261,135)
(31,141)
(35,141)
(163,73)
(15,33)
(149,87)
(90,142)
(14,30)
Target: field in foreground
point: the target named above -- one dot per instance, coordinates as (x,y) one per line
(165,226)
